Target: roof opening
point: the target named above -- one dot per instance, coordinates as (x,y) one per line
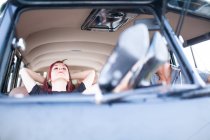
(107,20)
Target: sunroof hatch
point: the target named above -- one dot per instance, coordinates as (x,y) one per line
(107,20)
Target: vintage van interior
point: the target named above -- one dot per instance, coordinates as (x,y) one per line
(86,41)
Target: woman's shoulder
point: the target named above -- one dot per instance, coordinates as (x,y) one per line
(37,90)
(80,88)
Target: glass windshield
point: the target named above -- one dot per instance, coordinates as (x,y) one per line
(197,7)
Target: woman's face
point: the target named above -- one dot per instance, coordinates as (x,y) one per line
(59,71)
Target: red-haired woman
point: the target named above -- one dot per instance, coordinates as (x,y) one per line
(58,80)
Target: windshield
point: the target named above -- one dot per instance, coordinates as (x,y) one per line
(197,7)
(64,22)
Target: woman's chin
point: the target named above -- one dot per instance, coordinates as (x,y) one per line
(61,79)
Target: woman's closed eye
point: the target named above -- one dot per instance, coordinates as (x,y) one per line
(55,68)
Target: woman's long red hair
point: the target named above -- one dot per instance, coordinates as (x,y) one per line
(48,87)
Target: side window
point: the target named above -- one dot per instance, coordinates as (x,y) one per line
(19,80)
(198,55)
(12,77)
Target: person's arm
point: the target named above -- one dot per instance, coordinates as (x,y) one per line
(208,79)
(30,78)
(88,77)
(204,75)
(123,85)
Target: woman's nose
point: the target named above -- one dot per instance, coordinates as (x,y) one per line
(60,68)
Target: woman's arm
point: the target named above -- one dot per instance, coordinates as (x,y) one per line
(88,77)
(208,79)
(124,84)
(30,78)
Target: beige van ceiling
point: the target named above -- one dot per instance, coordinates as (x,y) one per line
(53,35)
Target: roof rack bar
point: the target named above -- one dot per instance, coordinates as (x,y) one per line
(197,39)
